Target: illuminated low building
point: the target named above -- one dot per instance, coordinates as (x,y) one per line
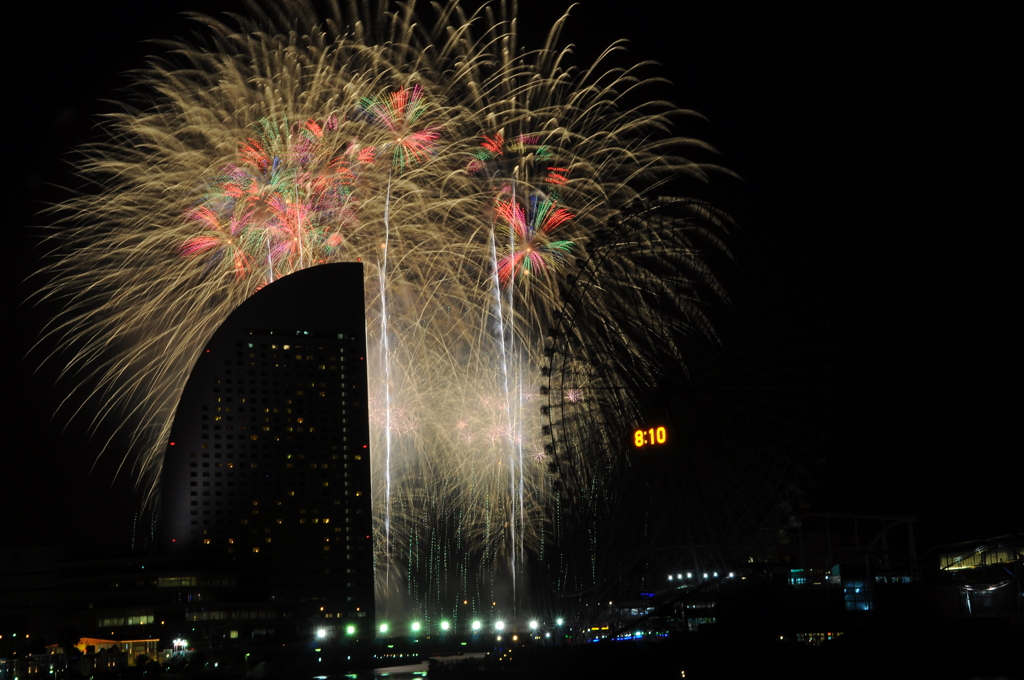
(987,576)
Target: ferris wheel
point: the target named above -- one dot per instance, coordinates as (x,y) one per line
(658,462)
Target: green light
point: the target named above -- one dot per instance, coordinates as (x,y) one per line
(445,625)
(416,627)
(350,630)
(383,627)
(476,625)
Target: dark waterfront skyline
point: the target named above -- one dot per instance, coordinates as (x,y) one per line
(866,241)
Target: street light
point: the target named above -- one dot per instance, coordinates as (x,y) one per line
(445,626)
(476,625)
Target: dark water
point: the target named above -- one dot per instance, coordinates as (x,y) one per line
(734,666)
(419,672)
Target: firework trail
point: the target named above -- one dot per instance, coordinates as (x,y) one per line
(470,176)
(396,113)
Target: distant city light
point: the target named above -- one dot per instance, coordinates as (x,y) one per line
(445,625)
(476,625)
(500,625)
(533,625)
(321,633)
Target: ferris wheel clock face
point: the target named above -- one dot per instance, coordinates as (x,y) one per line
(654,436)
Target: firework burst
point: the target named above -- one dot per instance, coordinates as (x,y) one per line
(531,250)
(279,144)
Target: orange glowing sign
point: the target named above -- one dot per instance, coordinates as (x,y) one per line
(654,435)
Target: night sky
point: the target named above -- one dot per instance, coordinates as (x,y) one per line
(874,243)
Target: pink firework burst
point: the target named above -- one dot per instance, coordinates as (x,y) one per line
(492,148)
(397,112)
(531,249)
(219,238)
(284,198)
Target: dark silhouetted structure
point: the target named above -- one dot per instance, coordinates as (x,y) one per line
(267,471)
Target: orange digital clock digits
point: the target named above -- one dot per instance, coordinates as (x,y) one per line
(654,435)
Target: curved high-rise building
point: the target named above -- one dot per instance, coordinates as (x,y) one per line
(267,470)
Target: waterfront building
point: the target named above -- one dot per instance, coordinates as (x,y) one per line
(267,469)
